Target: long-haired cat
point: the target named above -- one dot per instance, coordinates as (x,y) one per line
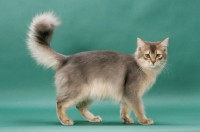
(96,75)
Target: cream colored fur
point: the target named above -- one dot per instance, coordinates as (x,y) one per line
(43,54)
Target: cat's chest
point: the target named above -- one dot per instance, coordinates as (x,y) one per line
(146,84)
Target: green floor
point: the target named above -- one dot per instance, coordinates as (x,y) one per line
(170,114)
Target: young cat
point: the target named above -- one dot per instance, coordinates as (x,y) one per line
(96,75)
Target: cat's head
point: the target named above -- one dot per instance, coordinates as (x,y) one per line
(151,54)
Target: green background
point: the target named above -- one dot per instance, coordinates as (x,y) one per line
(27,92)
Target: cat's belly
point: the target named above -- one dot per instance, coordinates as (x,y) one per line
(99,90)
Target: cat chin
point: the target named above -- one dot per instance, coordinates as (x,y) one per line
(153,66)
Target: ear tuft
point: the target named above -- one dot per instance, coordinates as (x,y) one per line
(140,43)
(164,43)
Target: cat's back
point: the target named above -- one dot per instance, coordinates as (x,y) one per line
(99,64)
(96,64)
(99,59)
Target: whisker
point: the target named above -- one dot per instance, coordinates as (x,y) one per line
(170,71)
(167,68)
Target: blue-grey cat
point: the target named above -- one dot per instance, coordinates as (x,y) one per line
(96,75)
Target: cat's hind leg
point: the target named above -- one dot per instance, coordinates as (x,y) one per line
(66,101)
(83,108)
(125,114)
(61,112)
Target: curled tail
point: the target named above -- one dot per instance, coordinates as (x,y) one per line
(41,30)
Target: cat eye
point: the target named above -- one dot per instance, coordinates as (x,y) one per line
(147,55)
(158,55)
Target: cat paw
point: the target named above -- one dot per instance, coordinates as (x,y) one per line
(96,119)
(128,120)
(67,122)
(147,122)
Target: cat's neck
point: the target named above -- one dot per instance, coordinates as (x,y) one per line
(151,71)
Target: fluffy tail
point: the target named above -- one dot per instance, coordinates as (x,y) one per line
(41,30)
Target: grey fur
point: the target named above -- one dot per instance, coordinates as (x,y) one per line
(87,76)
(109,66)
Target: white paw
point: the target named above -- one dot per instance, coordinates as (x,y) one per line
(67,122)
(147,122)
(96,119)
(127,120)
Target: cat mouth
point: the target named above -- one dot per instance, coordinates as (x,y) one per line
(153,66)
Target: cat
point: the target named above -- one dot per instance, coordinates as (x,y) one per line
(95,75)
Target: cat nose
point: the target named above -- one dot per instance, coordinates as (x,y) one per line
(153,61)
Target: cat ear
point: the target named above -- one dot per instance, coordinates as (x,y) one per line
(140,43)
(164,43)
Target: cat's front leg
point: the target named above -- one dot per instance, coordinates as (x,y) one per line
(125,114)
(137,106)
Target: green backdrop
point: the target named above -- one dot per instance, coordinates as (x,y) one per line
(27,93)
